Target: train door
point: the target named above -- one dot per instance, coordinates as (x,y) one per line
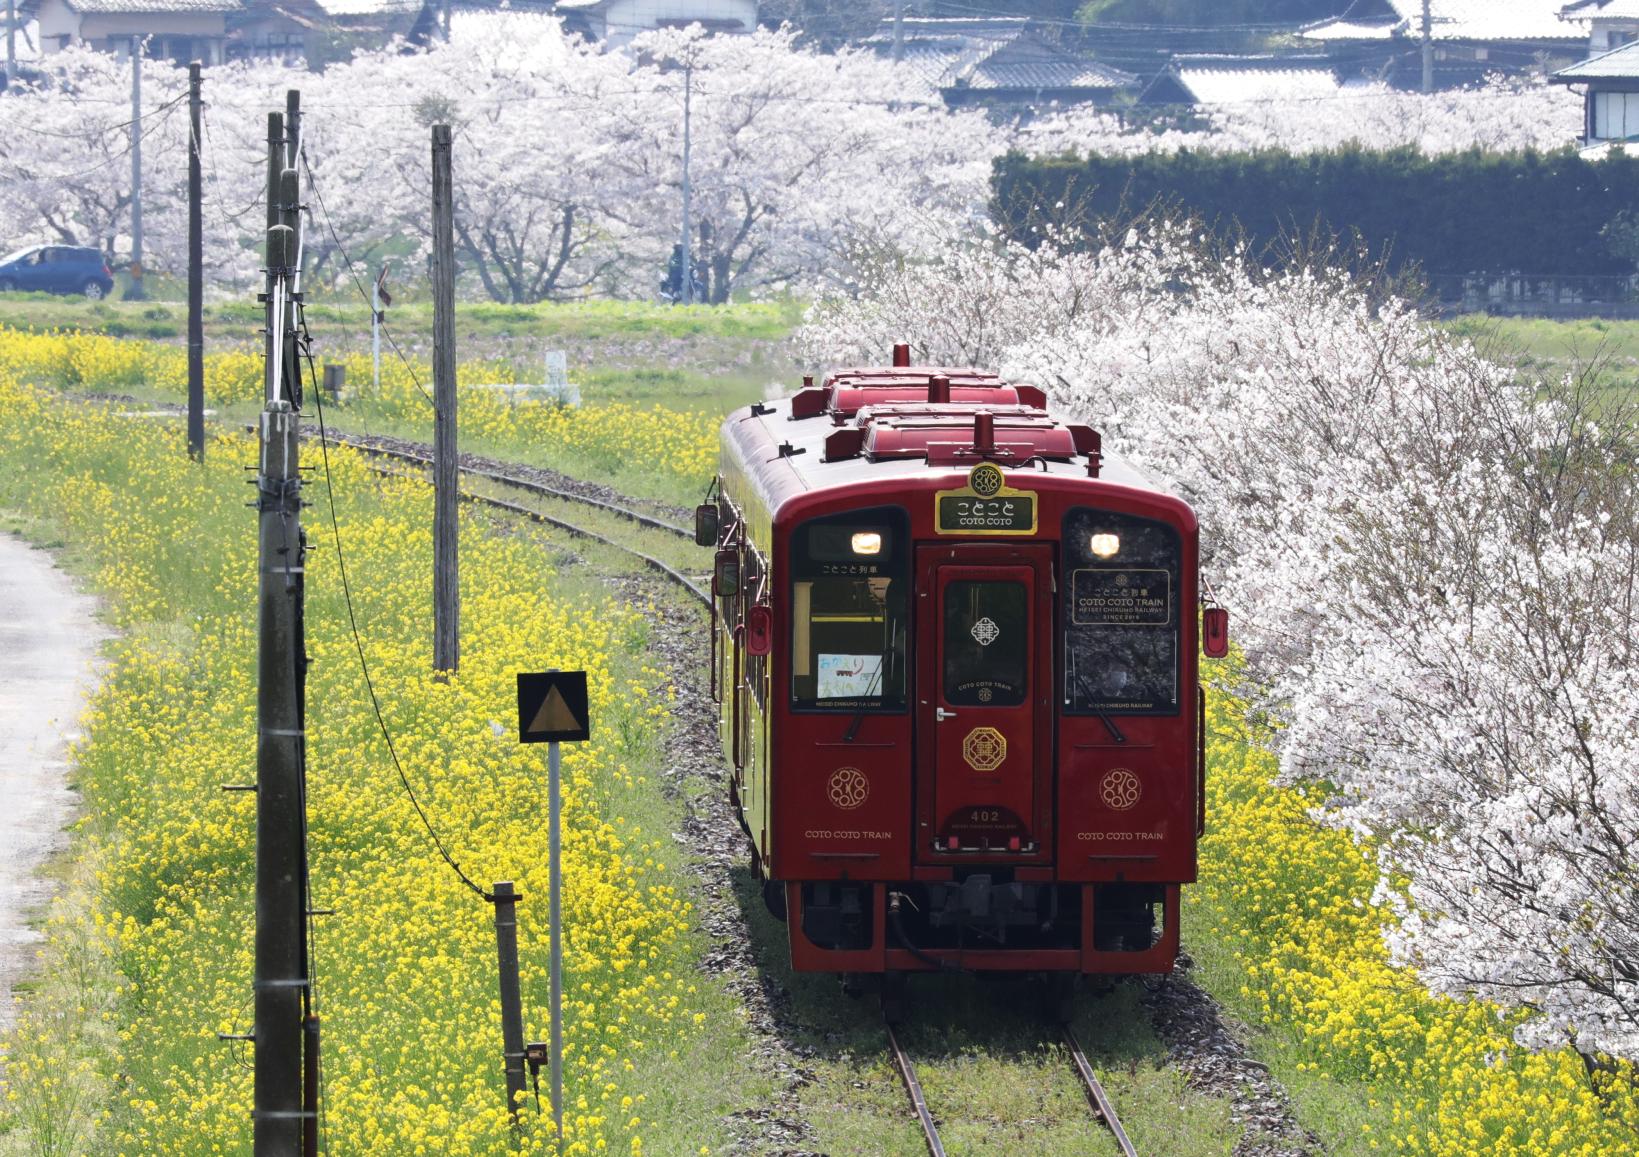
(984,702)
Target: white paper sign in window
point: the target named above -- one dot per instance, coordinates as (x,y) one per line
(850,676)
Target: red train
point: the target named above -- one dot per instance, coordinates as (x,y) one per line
(955,648)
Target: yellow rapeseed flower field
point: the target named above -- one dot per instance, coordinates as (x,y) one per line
(680,444)
(1290,902)
(406,966)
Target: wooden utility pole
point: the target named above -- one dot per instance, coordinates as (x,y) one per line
(1428,47)
(196,273)
(292,216)
(687,287)
(136,291)
(283,1118)
(446,564)
(506,899)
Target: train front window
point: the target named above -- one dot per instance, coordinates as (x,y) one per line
(986,644)
(849,612)
(1121,623)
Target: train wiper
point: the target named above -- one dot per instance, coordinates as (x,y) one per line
(1109,724)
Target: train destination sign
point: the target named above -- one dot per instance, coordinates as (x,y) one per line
(1138,598)
(986,505)
(552,707)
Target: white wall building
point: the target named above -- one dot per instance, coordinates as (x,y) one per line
(1610,23)
(176,30)
(617,22)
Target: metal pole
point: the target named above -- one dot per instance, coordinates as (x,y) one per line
(273,350)
(136,292)
(688,260)
(280,951)
(375,335)
(446,564)
(196,274)
(512,1005)
(1428,48)
(554,914)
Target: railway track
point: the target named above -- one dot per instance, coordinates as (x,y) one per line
(418,456)
(1096,1096)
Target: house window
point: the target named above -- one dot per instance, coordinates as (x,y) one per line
(1615,39)
(1615,116)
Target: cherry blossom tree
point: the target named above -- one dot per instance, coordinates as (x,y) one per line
(1433,563)
(1506,113)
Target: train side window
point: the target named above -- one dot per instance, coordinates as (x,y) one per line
(1121,614)
(850,611)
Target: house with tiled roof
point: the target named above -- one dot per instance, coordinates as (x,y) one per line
(320,30)
(1610,23)
(1610,88)
(997,62)
(1212,78)
(178,30)
(1471,39)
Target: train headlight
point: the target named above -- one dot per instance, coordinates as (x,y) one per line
(1105,545)
(867,542)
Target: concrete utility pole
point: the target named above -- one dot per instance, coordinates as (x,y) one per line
(446,563)
(11,40)
(282,1115)
(196,273)
(136,292)
(1428,47)
(898,29)
(688,259)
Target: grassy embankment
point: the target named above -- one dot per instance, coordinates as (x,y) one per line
(148,952)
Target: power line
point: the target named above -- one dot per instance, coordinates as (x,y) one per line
(347,261)
(358,638)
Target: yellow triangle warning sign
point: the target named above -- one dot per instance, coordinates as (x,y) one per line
(555,715)
(552,707)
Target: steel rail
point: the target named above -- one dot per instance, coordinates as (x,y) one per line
(907,1074)
(520,483)
(665,570)
(1095,1093)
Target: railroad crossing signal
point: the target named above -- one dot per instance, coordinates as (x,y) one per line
(552,707)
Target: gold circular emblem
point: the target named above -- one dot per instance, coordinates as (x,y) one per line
(847,788)
(1120,789)
(984,748)
(985,479)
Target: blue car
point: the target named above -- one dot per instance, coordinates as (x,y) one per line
(57,269)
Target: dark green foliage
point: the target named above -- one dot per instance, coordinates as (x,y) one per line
(1528,212)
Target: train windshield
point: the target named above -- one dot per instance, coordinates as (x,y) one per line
(1121,616)
(849,611)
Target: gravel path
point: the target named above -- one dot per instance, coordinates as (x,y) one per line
(48,647)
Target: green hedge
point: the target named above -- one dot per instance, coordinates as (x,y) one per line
(1528,212)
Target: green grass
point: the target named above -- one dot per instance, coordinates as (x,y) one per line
(1548,348)
(344,312)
